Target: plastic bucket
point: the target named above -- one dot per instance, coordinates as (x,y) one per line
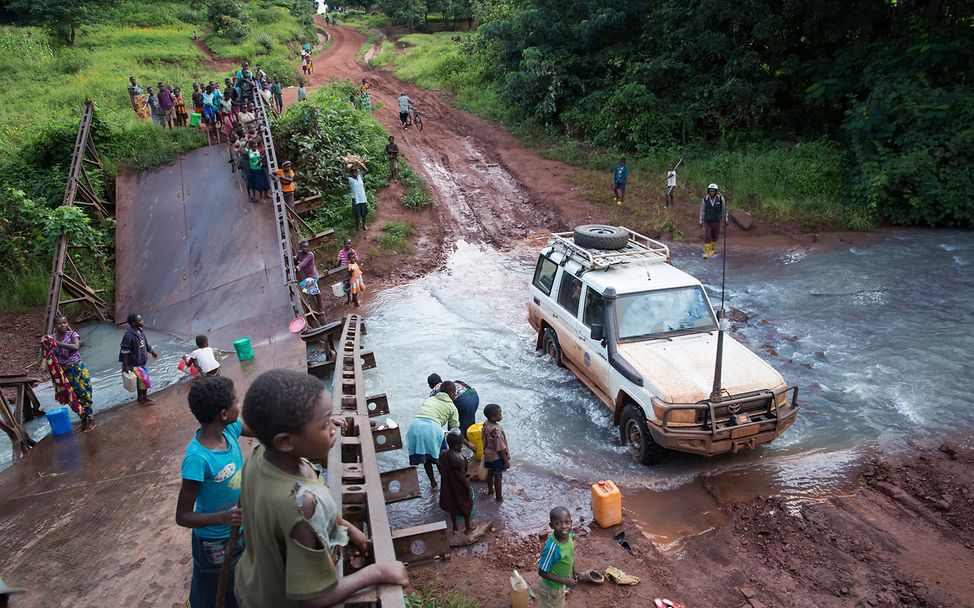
(60,421)
(244,349)
(194,119)
(338,290)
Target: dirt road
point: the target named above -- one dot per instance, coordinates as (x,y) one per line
(486,186)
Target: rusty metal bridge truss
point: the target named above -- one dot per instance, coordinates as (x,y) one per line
(356,482)
(66,278)
(352,466)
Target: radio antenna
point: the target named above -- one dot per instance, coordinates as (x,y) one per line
(715,394)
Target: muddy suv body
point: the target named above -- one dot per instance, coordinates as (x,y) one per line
(642,335)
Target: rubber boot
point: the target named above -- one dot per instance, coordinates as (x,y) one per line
(706,250)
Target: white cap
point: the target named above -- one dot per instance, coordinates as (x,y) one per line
(713,186)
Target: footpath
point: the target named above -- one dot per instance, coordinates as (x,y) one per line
(88,519)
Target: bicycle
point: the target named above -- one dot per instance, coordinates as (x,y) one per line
(417,118)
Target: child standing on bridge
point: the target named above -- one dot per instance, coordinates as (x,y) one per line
(210,489)
(257,180)
(355,281)
(294,528)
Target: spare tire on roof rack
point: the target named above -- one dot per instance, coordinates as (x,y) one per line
(598,236)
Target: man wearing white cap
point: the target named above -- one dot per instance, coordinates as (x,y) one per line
(713,210)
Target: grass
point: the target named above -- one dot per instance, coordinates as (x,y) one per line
(433,597)
(395,237)
(25,290)
(435,61)
(416,194)
(386,54)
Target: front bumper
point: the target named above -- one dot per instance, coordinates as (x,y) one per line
(724,430)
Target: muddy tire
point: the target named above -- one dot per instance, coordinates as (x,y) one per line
(598,236)
(633,433)
(551,347)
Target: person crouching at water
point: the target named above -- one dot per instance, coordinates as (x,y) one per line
(134,355)
(72,382)
(424,439)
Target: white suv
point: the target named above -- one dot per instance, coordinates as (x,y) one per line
(642,335)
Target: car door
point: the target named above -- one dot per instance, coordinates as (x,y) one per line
(569,304)
(595,360)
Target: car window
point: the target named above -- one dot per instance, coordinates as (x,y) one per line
(658,313)
(544,275)
(570,293)
(594,308)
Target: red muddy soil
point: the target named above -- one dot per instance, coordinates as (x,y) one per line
(902,535)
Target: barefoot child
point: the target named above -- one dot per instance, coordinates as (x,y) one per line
(356,284)
(455,496)
(557,564)
(496,456)
(134,355)
(293,525)
(210,489)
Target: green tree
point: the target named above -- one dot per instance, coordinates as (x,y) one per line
(63,17)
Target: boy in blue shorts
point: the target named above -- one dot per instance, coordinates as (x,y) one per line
(294,528)
(211,486)
(497,457)
(619,179)
(557,564)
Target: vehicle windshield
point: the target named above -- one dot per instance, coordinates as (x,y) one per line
(654,314)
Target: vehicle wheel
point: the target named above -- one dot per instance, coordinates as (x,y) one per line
(598,236)
(551,346)
(419,123)
(633,432)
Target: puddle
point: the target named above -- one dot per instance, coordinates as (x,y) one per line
(669,518)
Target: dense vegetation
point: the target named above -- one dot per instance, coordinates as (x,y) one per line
(316,135)
(47,80)
(880,92)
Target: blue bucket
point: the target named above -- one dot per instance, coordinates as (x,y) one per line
(60,421)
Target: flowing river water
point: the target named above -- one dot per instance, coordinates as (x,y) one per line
(878,336)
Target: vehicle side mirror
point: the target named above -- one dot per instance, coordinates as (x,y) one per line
(598,332)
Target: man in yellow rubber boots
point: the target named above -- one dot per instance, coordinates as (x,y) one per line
(713,211)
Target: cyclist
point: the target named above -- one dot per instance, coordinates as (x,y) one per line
(405,103)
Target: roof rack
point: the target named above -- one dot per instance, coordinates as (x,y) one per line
(639,248)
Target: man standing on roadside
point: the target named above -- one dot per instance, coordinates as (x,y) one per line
(360,203)
(619,179)
(392,151)
(713,211)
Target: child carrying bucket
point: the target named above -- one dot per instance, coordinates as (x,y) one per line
(134,354)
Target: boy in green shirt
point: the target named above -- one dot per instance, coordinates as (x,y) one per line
(557,564)
(293,526)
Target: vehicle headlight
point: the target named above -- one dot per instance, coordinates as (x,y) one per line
(676,416)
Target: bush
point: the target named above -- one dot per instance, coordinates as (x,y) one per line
(265,41)
(315,135)
(234,29)
(220,9)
